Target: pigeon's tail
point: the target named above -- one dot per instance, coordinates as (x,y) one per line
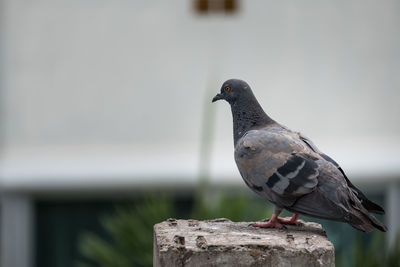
(368,204)
(372,207)
(362,220)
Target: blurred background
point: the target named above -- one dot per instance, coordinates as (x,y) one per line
(107,126)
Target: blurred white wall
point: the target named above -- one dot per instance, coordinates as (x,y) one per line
(98,89)
(111,94)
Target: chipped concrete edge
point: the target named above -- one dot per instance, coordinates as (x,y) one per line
(221,242)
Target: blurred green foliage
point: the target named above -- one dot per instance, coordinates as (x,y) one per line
(130,230)
(129,240)
(234,207)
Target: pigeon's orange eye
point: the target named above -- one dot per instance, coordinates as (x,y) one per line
(228,89)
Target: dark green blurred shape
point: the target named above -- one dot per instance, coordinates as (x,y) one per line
(372,254)
(131,232)
(57,226)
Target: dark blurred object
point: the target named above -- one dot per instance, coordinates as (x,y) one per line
(215,6)
(370,253)
(130,235)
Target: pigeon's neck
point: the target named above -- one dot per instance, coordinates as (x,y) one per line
(248,115)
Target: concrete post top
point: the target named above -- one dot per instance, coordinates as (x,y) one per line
(221,242)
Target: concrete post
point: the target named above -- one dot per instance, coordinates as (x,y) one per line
(221,242)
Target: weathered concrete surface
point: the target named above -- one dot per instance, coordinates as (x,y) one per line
(221,242)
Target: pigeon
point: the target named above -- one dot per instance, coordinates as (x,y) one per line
(287,169)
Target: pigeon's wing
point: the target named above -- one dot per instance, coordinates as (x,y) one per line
(276,166)
(368,204)
(333,199)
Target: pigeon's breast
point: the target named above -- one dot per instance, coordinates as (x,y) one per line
(258,154)
(264,144)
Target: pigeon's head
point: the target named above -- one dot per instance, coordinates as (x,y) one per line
(232,90)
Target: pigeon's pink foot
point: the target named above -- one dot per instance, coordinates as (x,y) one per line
(291,221)
(269,224)
(272,223)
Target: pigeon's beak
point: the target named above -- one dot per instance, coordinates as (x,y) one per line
(217,97)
